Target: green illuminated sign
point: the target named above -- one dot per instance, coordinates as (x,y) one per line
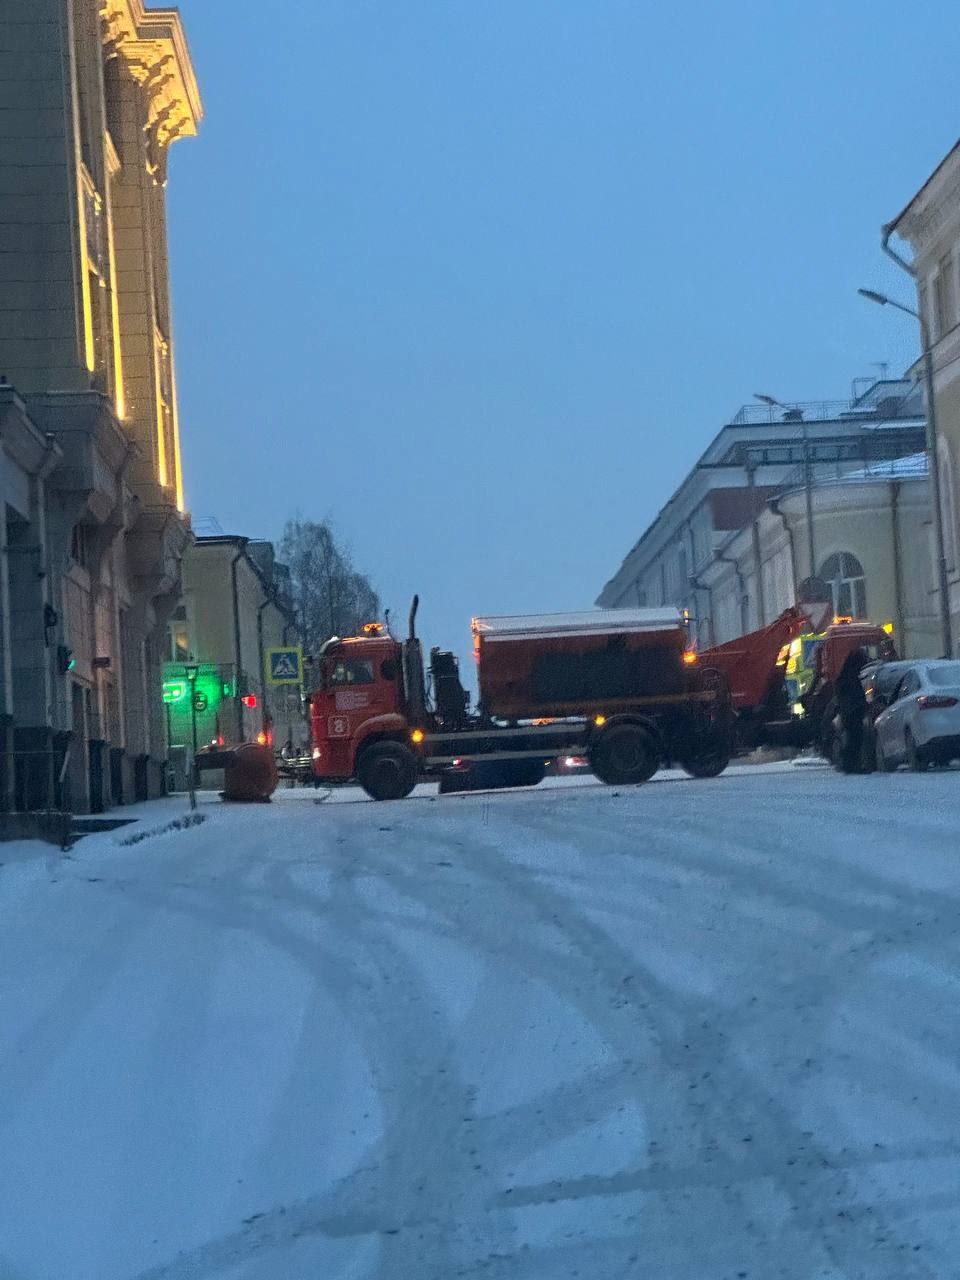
(174,690)
(203,687)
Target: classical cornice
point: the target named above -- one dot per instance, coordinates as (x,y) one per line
(934,208)
(153,46)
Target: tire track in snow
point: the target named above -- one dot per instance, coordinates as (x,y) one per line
(405,1177)
(752,1104)
(743,1109)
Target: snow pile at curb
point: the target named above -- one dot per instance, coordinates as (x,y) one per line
(176,824)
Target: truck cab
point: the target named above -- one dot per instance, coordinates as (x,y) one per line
(358,699)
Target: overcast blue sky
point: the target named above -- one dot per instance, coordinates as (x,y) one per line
(479,281)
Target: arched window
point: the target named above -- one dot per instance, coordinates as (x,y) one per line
(843,573)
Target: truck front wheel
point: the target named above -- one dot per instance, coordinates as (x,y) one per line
(624,755)
(387,771)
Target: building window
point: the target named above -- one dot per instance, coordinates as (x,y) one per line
(944,297)
(166,431)
(948,504)
(179,646)
(79,548)
(843,573)
(923,296)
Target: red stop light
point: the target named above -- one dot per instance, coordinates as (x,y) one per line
(249,700)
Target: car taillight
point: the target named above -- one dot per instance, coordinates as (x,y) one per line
(935,701)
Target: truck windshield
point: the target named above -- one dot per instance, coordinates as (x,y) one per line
(349,671)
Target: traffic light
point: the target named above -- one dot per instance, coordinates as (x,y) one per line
(249,700)
(65,659)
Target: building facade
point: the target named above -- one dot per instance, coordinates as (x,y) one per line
(761,455)
(234,608)
(872,529)
(93,95)
(931,226)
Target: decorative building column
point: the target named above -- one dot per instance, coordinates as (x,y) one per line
(152,100)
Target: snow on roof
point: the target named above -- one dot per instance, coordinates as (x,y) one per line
(911,464)
(568,624)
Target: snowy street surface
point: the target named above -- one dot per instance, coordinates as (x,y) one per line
(690,1031)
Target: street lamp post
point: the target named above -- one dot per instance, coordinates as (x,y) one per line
(191,670)
(807,479)
(933,462)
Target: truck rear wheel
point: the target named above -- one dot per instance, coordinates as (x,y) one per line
(387,771)
(709,758)
(626,754)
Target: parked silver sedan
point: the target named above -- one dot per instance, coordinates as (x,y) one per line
(921,725)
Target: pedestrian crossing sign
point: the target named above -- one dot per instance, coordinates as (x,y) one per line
(285,666)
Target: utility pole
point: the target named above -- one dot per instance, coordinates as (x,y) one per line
(807,472)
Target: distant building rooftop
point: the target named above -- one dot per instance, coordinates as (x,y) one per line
(890,398)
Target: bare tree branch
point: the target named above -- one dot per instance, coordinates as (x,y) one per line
(331,597)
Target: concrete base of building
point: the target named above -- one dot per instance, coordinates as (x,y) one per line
(52,827)
(7,767)
(36,769)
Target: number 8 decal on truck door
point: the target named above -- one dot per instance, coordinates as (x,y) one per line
(339,726)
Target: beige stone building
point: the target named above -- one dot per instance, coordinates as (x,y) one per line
(93,93)
(931,226)
(872,527)
(235,607)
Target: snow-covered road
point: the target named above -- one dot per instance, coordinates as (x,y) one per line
(693,1031)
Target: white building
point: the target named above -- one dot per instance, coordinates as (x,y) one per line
(931,225)
(753,459)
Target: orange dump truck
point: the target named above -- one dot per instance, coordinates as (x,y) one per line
(618,687)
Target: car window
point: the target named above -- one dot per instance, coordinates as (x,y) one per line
(886,681)
(946,676)
(909,684)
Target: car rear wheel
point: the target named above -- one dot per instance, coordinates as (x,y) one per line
(387,771)
(624,755)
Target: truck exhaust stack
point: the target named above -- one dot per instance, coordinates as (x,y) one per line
(414,606)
